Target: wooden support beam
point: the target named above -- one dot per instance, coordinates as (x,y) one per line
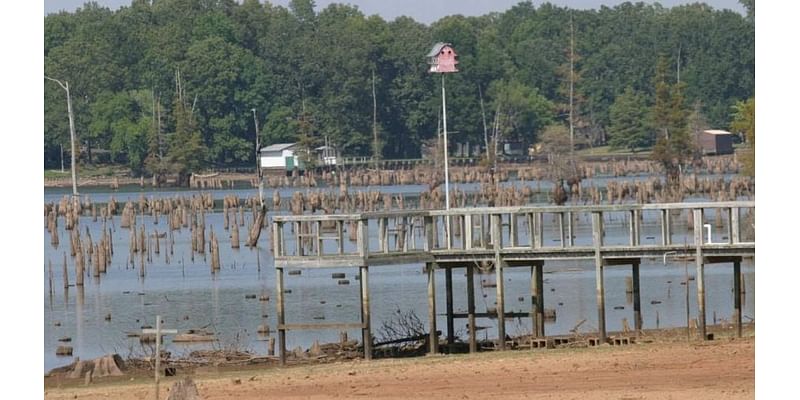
(473,344)
(497,240)
(562,230)
(737,297)
(281,319)
(634,227)
(637,301)
(501,320)
(433,338)
(448,280)
(366,331)
(701,295)
(597,237)
(537,299)
(666,234)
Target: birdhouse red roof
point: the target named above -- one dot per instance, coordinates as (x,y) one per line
(442,58)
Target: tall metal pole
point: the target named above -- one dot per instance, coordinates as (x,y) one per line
(65,86)
(258,163)
(446,174)
(158,352)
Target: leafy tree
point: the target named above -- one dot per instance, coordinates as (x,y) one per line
(744,121)
(629,127)
(187,152)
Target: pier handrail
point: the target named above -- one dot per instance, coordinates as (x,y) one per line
(513,210)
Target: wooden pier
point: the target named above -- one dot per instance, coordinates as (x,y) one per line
(505,237)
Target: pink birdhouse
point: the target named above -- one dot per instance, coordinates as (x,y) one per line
(442,58)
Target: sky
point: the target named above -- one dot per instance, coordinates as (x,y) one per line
(425,11)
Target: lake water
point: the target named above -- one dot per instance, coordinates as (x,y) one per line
(187,295)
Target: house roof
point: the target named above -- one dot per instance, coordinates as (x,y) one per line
(437,48)
(277,147)
(717,132)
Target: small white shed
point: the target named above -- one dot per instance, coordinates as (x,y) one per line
(279,156)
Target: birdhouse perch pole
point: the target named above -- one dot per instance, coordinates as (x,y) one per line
(442,59)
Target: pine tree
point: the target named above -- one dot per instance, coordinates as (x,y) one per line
(628,121)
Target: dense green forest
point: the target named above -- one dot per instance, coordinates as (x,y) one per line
(170,85)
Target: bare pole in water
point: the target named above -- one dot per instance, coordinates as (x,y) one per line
(65,86)
(258,162)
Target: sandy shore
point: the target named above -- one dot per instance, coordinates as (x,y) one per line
(722,369)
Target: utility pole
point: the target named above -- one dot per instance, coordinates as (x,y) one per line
(571,88)
(258,162)
(375,148)
(65,86)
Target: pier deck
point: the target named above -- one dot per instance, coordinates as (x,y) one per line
(502,237)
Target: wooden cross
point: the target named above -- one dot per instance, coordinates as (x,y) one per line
(158,332)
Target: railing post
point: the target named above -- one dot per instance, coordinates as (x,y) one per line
(277,239)
(734,236)
(428,227)
(513,231)
(666,238)
(570,234)
(383,245)
(467,232)
(538,230)
(362,240)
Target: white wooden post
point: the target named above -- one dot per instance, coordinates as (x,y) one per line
(158,332)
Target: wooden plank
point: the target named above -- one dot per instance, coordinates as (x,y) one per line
(508,315)
(320,326)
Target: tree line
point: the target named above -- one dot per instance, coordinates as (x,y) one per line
(169,86)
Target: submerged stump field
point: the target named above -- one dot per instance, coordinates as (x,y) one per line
(362,252)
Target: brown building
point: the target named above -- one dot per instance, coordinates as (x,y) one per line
(715,141)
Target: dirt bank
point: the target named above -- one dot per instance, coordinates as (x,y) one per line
(700,370)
